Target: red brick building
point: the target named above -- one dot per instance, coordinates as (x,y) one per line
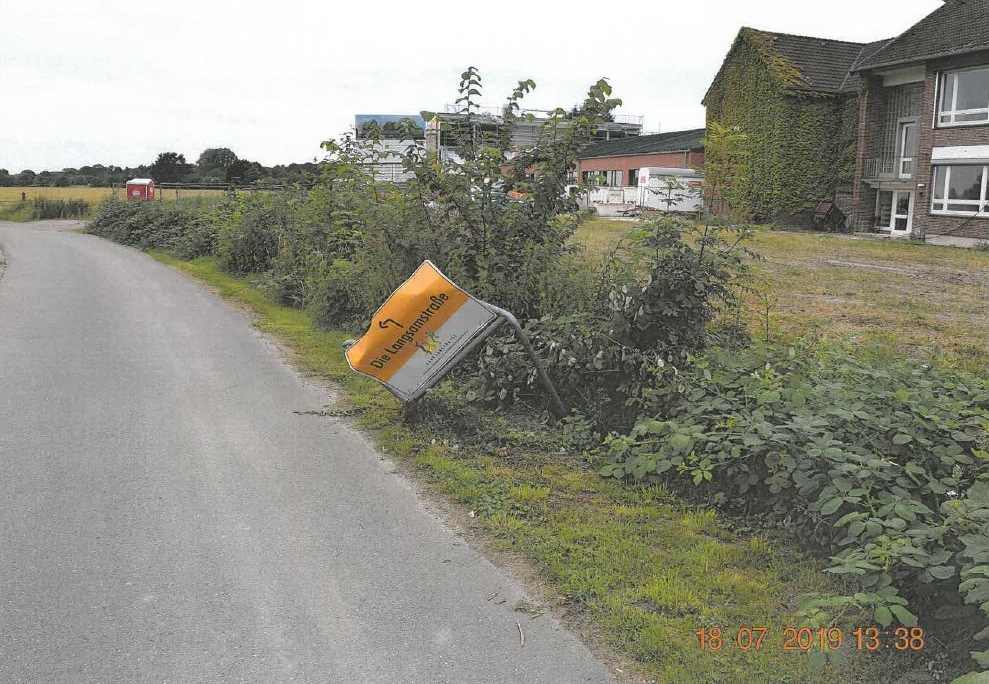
(922,163)
(616,163)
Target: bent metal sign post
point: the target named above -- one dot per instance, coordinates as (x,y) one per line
(424,329)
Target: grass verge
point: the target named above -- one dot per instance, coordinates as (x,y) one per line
(18,211)
(46,209)
(636,567)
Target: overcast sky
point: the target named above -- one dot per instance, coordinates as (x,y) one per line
(112,82)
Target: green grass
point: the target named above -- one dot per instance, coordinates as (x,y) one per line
(46,209)
(599,235)
(918,300)
(17,211)
(642,568)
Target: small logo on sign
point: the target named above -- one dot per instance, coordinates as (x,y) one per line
(430,344)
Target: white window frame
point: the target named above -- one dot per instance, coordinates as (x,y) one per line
(906,166)
(979,206)
(949,80)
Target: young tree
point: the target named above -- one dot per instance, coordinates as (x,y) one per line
(506,250)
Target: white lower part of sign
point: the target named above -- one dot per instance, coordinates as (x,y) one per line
(434,351)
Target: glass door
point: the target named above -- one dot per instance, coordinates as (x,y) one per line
(901,216)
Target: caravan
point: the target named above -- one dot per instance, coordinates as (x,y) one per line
(671,189)
(668,189)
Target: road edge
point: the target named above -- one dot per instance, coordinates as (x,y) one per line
(622,668)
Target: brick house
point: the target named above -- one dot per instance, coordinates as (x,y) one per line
(616,163)
(922,159)
(794,100)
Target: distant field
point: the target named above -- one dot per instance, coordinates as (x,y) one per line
(74,192)
(919,300)
(83,192)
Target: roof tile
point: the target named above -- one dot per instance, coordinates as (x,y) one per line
(958,26)
(674,141)
(823,63)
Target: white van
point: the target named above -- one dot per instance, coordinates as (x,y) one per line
(671,189)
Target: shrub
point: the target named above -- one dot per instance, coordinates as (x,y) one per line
(185,228)
(124,222)
(644,308)
(884,466)
(46,208)
(198,239)
(502,251)
(248,238)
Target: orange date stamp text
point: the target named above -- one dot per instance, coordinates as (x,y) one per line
(808,639)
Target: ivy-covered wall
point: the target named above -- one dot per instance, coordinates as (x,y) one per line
(799,145)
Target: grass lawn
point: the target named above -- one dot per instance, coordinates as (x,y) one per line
(918,300)
(635,570)
(600,235)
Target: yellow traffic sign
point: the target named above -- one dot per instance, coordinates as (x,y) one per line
(420,332)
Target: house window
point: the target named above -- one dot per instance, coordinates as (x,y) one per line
(960,189)
(964,97)
(884,209)
(633,177)
(614,179)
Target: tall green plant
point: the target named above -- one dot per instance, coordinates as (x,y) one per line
(642,311)
(506,251)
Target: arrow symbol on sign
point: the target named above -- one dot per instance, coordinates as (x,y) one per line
(389,321)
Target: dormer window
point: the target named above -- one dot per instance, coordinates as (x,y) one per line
(964,97)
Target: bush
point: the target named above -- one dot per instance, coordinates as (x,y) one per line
(45,208)
(884,466)
(124,222)
(185,228)
(248,240)
(644,308)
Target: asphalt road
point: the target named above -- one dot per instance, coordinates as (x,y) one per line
(167,516)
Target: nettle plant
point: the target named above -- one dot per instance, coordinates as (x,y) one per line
(883,466)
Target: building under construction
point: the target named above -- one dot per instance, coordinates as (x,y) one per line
(444,131)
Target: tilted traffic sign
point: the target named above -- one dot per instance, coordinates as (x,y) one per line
(421,331)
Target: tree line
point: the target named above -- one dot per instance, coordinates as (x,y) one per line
(214,165)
